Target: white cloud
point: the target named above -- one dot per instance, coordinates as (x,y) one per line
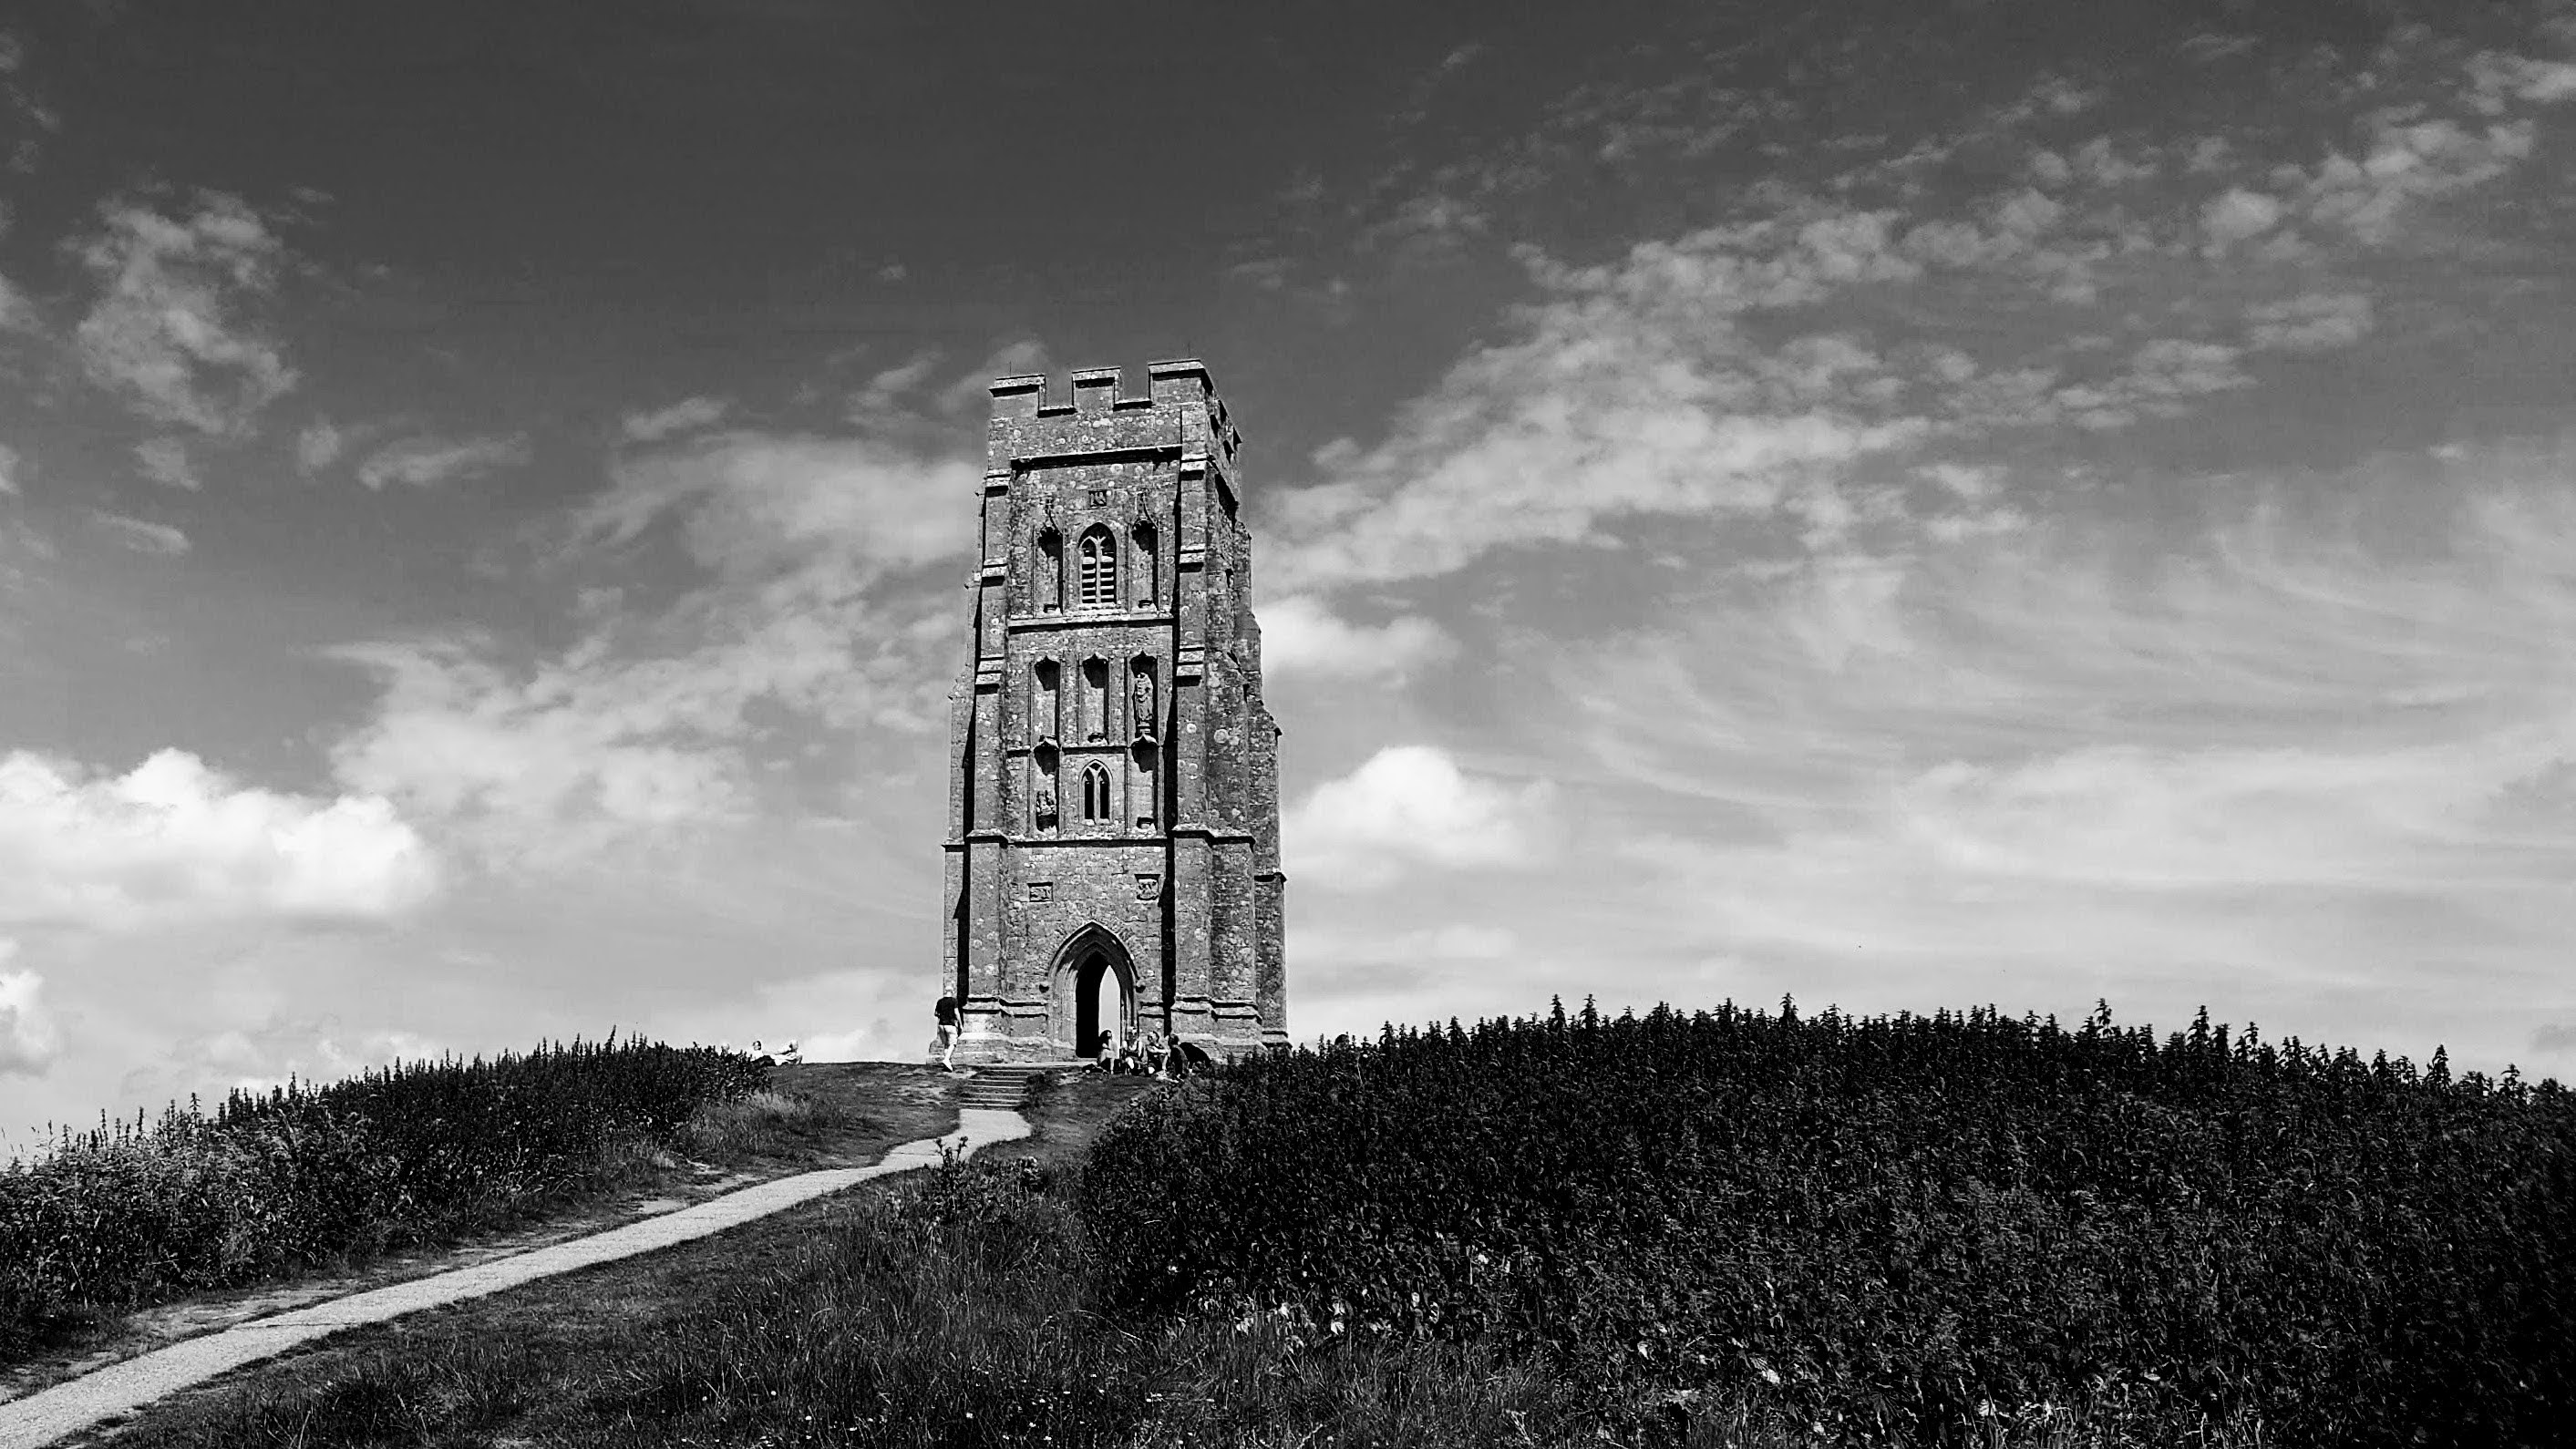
(28,1038)
(2310,322)
(176,329)
(1325,948)
(688,415)
(970,392)
(319,445)
(1302,635)
(2321,760)
(644,726)
(754,502)
(143,536)
(2406,162)
(8,470)
(165,461)
(427,461)
(2496,76)
(881,399)
(257,1056)
(1411,806)
(17,314)
(557,763)
(2237,215)
(174,841)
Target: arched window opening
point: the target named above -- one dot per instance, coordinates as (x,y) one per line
(1099,561)
(1044,722)
(1095,792)
(1042,807)
(1050,578)
(1095,699)
(1148,577)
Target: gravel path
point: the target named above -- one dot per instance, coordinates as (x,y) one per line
(120,1389)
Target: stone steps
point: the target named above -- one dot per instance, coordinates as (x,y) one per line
(1005,1085)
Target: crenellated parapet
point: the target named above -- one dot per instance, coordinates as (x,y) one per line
(1038,421)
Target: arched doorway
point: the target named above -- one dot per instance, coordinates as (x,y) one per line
(1095,991)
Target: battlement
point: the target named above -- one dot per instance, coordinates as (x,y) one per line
(1099,391)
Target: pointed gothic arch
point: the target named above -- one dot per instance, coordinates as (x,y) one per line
(1093,977)
(1095,793)
(1098,555)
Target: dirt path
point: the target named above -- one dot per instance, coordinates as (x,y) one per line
(116,1391)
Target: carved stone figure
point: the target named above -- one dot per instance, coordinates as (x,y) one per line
(1144,701)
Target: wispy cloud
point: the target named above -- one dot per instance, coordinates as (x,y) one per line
(1760,368)
(2318,755)
(688,415)
(2310,322)
(428,460)
(646,724)
(1301,634)
(142,535)
(165,461)
(178,329)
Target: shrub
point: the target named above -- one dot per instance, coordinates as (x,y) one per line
(1898,1225)
(123,1215)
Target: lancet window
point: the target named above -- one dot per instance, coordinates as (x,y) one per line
(1098,558)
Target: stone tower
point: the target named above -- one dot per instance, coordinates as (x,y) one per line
(1113,796)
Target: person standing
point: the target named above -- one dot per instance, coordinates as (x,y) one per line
(948,1033)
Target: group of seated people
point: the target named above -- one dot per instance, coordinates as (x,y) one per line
(1165,1057)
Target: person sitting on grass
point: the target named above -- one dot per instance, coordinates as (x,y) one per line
(1152,1055)
(1102,1059)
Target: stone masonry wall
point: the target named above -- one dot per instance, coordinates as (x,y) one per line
(1159,687)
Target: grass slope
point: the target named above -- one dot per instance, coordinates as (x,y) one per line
(810,1116)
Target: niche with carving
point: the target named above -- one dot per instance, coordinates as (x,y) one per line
(1042,778)
(1143,787)
(1148,578)
(1050,579)
(1143,707)
(1044,700)
(1095,698)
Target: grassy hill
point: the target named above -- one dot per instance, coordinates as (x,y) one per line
(132,1233)
(1734,1227)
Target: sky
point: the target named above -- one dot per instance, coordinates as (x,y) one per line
(1905,505)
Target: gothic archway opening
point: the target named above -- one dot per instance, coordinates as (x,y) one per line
(1096,980)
